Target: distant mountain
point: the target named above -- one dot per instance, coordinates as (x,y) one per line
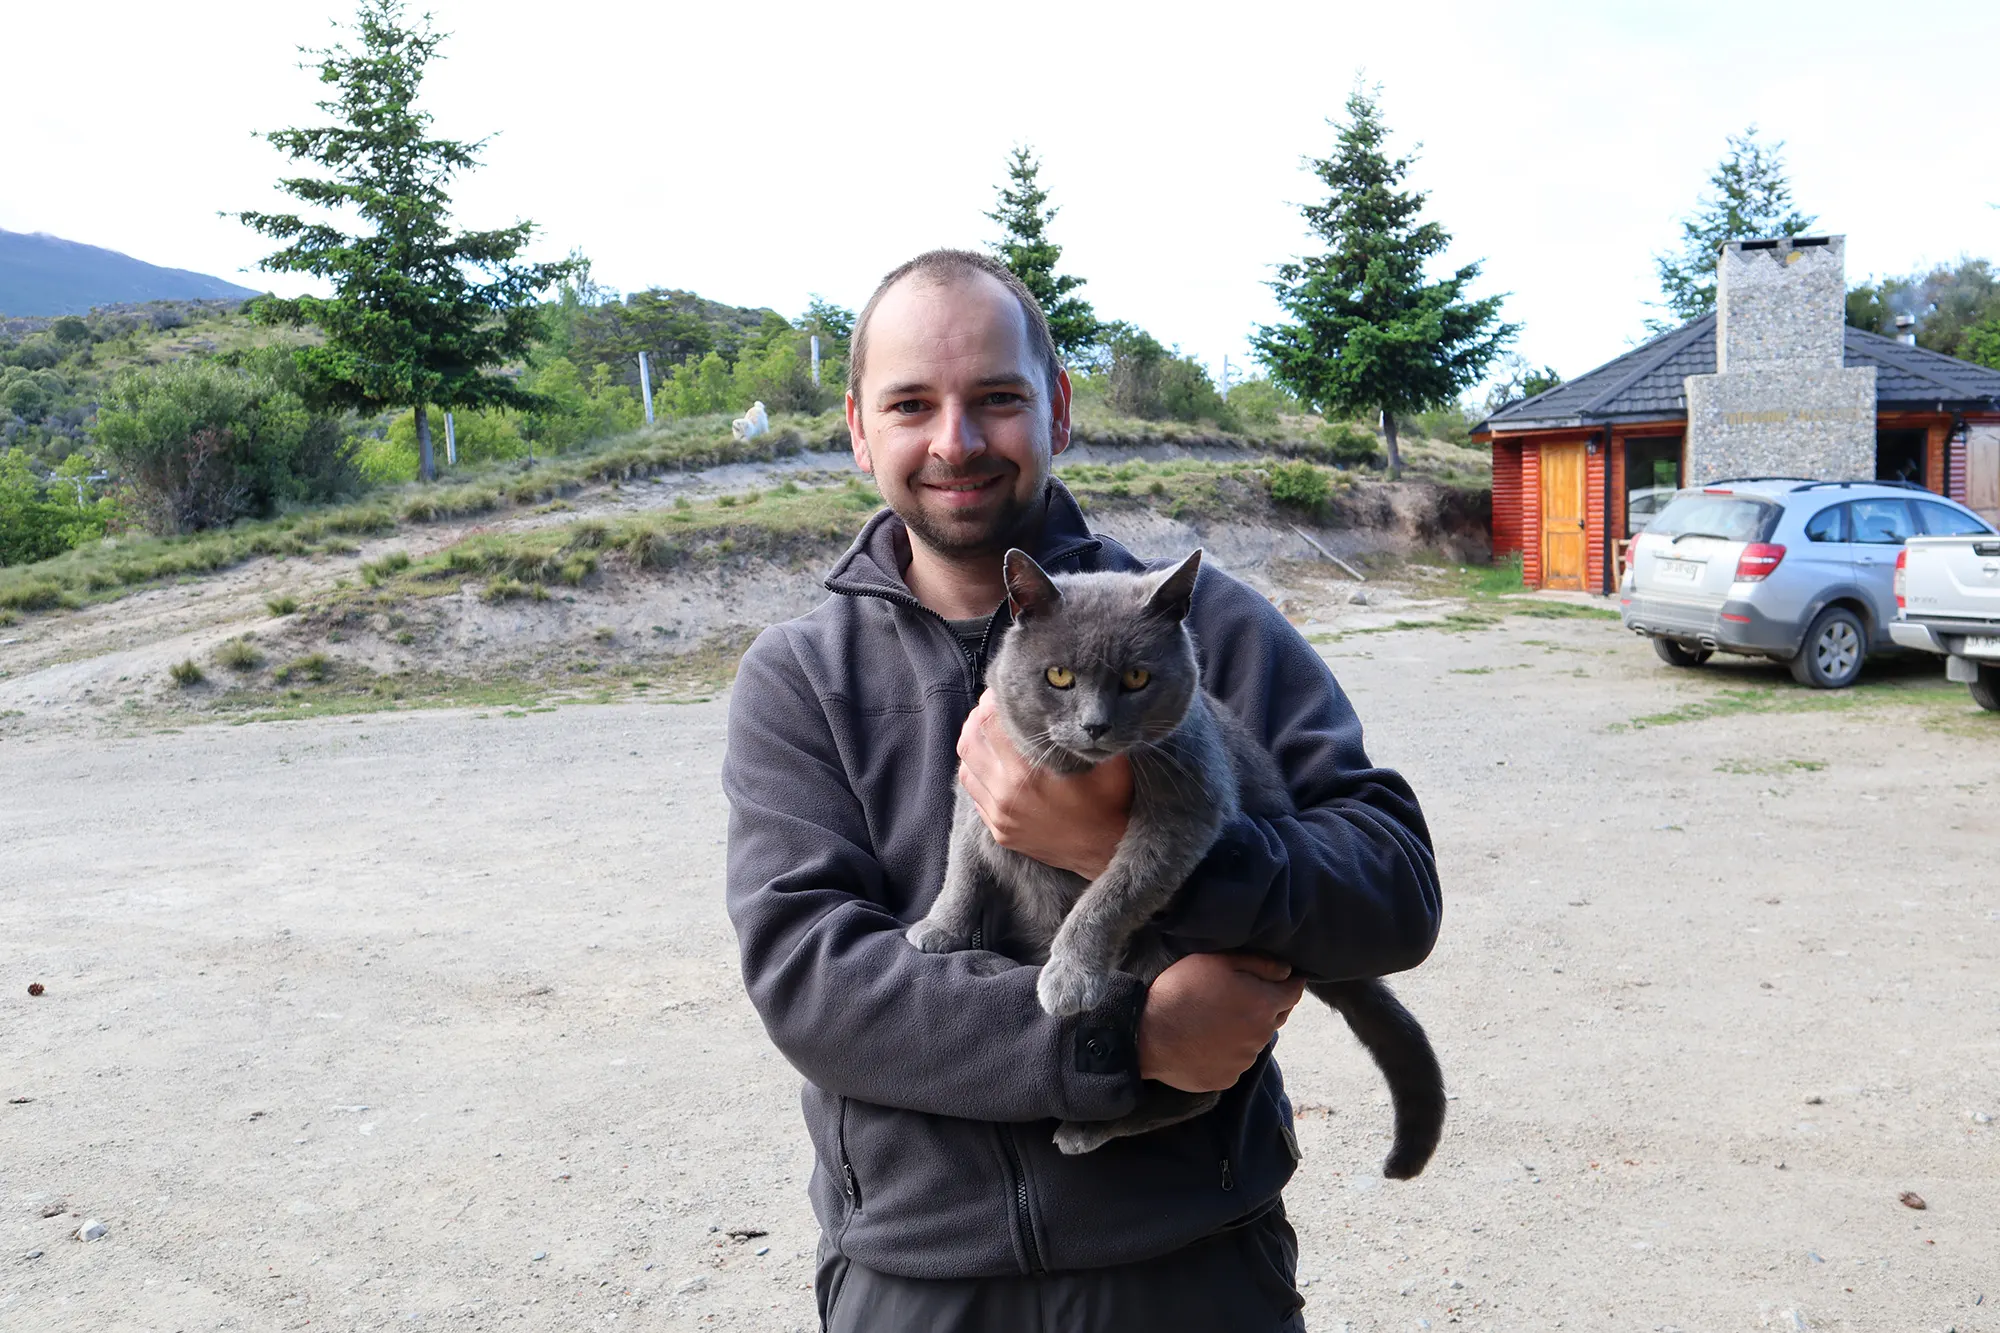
(46,275)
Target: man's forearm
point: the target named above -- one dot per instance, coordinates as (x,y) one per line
(1340,891)
(861,1013)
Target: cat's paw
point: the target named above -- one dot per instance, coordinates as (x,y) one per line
(1074,1138)
(1068,987)
(931,937)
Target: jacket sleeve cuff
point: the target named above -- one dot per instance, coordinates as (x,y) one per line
(1104,1058)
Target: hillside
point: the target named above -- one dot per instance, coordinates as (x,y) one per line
(46,275)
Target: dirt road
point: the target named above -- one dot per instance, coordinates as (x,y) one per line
(432,1019)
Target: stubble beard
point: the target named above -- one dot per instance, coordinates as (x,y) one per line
(964,539)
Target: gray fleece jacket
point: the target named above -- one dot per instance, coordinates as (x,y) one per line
(934,1081)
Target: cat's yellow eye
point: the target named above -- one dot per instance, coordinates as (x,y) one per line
(1061,677)
(1136,678)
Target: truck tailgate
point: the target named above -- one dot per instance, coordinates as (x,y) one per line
(1952,578)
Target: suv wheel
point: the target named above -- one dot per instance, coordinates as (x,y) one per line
(1986,690)
(1835,648)
(1675,653)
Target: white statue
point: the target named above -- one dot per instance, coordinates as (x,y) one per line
(751,424)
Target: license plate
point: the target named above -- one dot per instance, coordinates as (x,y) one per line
(1680,571)
(1981,645)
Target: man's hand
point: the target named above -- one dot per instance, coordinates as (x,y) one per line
(1209,1015)
(1072,823)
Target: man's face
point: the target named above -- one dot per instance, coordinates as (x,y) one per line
(953,418)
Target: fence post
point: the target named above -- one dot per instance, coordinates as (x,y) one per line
(450,441)
(815,344)
(646,387)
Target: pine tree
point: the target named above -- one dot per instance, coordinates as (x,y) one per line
(1031,256)
(1752,199)
(410,323)
(1369,331)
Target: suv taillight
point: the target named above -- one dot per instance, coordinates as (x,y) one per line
(1757,562)
(1902,577)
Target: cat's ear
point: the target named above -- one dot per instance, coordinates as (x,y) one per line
(1173,595)
(1030,592)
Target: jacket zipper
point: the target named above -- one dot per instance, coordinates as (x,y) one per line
(848,1181)
(1024,1217)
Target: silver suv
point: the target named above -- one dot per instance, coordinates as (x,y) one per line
(1802,572)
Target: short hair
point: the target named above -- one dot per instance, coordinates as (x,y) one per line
(944,266)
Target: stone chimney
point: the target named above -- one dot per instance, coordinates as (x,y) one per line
(1781,403)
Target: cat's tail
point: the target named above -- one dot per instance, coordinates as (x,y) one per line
(1404,1055)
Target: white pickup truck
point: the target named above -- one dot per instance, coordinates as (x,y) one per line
(1948,601)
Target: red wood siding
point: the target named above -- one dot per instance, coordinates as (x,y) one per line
(1617,516)
(1593,517)
(1955,454)
(1506,499)
(1934,462)
(1531,514)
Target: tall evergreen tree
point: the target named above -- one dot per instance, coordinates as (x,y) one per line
(1031,256)
(1369,331)
(421,316)
(1752,199)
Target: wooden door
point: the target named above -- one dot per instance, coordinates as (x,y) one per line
(1982,472)
(1564,554)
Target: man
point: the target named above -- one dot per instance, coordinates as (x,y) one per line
(934,1081)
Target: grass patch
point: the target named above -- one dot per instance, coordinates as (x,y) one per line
(281,606)
(1738,701)
(186,674)
(374,572)
(313,667)
(1770,767)
(508,590)
(239,655)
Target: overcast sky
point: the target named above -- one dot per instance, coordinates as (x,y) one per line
(760,152)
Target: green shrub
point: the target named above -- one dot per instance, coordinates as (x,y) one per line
(1349,447)
(282,605)
(482,436)
(185,673)
(1260,402)
(239,655)
(201,444)
(1300,484)
(579,410)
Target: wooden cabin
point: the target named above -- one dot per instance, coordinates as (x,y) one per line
(1579,468)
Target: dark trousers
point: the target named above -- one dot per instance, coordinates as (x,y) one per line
(1237,1281)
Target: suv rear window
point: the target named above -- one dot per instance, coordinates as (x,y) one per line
(1944,521)
(1733,518)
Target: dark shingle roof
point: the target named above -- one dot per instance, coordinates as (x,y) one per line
(1646,384)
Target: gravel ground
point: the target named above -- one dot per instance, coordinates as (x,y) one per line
(433,1018)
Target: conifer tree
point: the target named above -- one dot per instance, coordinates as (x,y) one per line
(1369,330)
(1031,256)
(1752,200)
(421,316)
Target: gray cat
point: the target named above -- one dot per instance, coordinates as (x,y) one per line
(1096,665)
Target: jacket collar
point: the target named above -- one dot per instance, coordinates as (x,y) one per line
(873,566)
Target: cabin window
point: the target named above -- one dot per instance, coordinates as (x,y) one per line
(1652,475)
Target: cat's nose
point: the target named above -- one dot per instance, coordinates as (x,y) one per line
(1096,730)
